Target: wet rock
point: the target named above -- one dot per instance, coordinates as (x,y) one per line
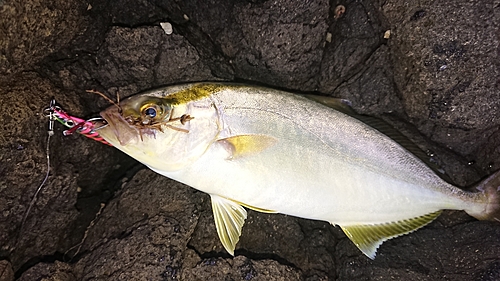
(280,43)
(6,272)
(150,239)
(356,35)
(152,60)
(146,57)
(57,271)
(31,31)
(273,42)
(444,68)
(23,154)
(237,268)
(371,90)
(24,167)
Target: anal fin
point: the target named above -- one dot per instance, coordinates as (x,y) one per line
(369,237)
(229,218)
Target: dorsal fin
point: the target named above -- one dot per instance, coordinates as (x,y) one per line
(369,237)
(385,128)
(342,105)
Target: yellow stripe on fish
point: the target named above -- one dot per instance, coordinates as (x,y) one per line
(196,92)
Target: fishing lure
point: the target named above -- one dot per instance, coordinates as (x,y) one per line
(75,124)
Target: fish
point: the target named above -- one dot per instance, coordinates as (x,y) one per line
(278,152)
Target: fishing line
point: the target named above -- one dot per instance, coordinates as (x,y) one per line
(50,133)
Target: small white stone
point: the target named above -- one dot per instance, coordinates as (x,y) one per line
(167,27)
(328,37)
(387,34)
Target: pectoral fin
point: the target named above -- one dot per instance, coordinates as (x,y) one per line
(229,219)
(244,145)
(369,237)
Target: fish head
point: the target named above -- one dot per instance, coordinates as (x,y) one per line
(160,130)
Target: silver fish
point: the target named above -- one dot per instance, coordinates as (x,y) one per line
(277,152)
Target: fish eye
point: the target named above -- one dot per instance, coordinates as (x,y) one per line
(150,112)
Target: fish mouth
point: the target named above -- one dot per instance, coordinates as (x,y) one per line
(116,127)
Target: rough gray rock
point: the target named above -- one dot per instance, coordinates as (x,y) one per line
(434,78)
(50,223)
(445,66)
(32,30)
(56,271)
(6,272)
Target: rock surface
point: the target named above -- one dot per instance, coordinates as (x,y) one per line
(102,216)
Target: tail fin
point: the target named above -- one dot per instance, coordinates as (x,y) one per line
(490,187)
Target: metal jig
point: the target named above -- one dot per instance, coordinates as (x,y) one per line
(75,124)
